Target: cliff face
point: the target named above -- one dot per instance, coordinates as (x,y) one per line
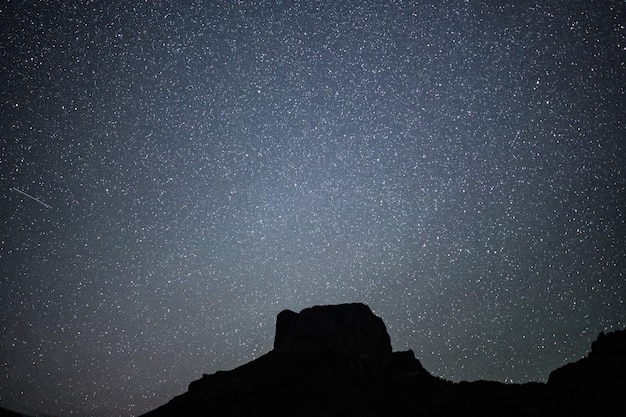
(337,361)
(350,329)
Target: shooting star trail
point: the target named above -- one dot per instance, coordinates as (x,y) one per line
(514,140)
(32,198)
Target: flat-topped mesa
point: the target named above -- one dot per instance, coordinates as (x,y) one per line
(348,329)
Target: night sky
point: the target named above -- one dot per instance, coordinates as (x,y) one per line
(174,174)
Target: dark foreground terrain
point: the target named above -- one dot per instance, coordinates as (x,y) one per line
(7,413)
(337,361)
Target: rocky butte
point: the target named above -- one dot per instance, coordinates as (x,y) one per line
(337,361)
(348,329)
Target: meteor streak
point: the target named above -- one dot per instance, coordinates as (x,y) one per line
(32,198)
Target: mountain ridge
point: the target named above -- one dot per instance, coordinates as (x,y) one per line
(359,375)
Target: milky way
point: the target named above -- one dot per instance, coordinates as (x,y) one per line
(457,166)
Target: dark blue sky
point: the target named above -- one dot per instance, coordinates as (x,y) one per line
(458,166)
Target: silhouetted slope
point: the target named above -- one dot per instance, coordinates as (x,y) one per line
(594,385)
(311,384)
(8,413)
(359,376)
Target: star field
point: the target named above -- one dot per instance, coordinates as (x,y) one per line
(174,175)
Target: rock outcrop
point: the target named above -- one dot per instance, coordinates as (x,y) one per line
(348,329)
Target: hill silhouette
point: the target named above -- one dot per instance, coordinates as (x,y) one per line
(8,413)
(337,361)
